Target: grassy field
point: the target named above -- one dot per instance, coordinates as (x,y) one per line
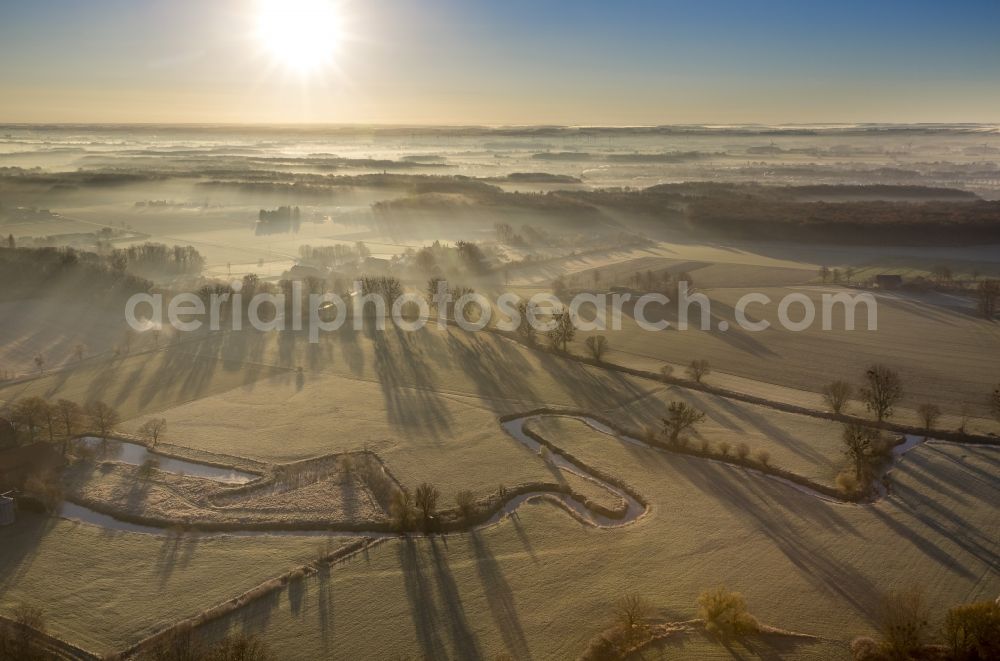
(427,403)
(104,591)
(540,585)
(942,353)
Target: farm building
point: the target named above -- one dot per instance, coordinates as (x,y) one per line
(888,281)
(6,510)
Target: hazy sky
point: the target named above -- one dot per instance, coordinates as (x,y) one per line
(505,62)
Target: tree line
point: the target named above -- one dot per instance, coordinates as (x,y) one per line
(35,418)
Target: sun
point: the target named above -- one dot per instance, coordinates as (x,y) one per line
(301,35)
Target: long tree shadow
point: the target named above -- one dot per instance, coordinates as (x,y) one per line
(462,637)
(501,600)
(815,564)
(420,596)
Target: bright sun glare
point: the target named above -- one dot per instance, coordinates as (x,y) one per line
(300,34)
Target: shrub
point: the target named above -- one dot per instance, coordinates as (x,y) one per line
(724,448)
(864,648)
(725,613)
(667,371)
(742,451)
(705,445)
(972,631)
(606,648)
(649,433)
(848,483)
(763,457)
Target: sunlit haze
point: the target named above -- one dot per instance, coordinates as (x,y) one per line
(448,62)
(507,330)
(301,34)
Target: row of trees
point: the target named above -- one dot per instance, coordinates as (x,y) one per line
(682,417)
(338,254)
(60,420)
(408,509)
(882,390)
(968,632)
(158,259)
(880,393)
(69,272)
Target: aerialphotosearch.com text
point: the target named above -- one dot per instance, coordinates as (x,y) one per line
(318,313)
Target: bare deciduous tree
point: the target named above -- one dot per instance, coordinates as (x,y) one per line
(882,390)
(904,622)
(525,330)
(988,293)
(598,346)
(632,613)
(837,394)
(153,430)
(50,419)
(698,369)
(29,414)
(426,500)
(929,415)
(102,417)
(70,416)
(859,444)
(559,288)
(564,332)
(680,416)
